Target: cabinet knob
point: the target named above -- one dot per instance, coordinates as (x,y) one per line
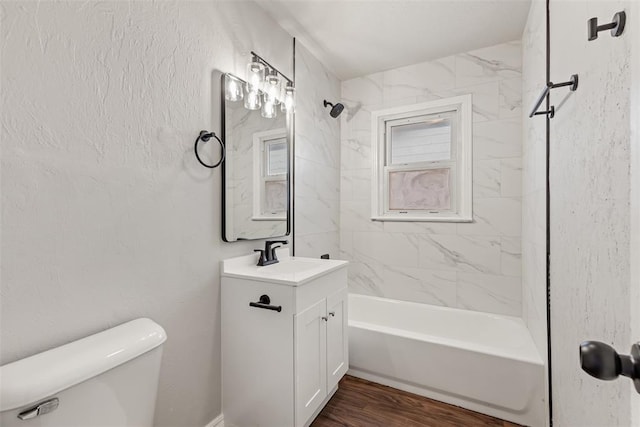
(325,318)
(332,313)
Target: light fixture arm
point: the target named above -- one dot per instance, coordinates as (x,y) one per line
(264,62)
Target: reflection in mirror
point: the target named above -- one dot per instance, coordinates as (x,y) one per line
(255,171)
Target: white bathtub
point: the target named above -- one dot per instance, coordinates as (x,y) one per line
(484,362)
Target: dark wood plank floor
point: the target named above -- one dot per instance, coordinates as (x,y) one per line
(360,403)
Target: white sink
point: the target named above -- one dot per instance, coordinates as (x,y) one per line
(292,271)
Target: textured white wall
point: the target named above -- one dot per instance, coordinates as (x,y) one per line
(634,300)
(106,216)
(474,266)
(317,185)
(590,222)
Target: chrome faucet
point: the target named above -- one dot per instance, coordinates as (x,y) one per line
(268,254)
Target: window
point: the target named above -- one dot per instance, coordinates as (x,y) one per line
(422,162)
(270,182)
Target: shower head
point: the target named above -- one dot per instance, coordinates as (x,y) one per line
(335,109)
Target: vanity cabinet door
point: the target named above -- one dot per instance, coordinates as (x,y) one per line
(337,338)
(310,360)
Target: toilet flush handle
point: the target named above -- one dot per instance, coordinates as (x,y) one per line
(40,409)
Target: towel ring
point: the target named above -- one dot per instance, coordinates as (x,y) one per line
(206,136)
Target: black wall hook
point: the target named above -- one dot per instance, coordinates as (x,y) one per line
(616,27)
(205,136)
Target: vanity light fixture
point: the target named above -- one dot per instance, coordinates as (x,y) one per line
(272,87)
(255,74)
(269,109)
(266,87)
(288,102)
(253,98)
(233,90)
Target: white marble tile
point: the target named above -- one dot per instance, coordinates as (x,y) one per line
(511,177)
(460,253)
(305,182)
(511,256)
(487,180)
(494,217)
(490,293)
(396,102)
(314,215)
(485,99)
(364,278)
(346,185)
(503,61)
(396,249)
(317,153)
(365,90)
(314,245)
(419,79)
(420,285)
(327,182)
(346,245)
(510,98)
(356,184)
(327,147)
(356,216)
(356,152)
(498,139)
(419,227)
(433,96)
(356,119)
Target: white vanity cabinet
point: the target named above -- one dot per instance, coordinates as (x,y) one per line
(279,368)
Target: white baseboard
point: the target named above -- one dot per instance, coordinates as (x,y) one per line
(217,421)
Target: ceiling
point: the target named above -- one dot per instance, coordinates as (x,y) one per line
(359,37)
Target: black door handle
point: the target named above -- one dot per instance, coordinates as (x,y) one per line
(602,361)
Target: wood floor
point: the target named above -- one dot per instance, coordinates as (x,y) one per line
(360,403)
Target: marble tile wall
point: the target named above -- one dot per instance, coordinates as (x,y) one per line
(317,159)
(474,266)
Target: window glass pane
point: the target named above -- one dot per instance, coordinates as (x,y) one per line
(427,189)
(275,197)
(427,141)
(276,157)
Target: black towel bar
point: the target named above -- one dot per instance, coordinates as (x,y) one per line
(265,302)
(573,82)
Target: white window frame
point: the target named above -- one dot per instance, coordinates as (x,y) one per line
(260,140)
(461,163)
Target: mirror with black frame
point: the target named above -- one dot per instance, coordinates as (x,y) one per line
(255,172)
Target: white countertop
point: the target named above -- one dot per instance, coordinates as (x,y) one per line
(292,271)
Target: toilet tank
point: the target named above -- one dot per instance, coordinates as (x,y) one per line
(107,379)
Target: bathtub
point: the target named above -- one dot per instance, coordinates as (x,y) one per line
(484,362)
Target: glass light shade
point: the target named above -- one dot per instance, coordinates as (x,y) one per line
(269,110)
(272,87)
(255,74)
(289,102)
(252,100)
(233,89)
